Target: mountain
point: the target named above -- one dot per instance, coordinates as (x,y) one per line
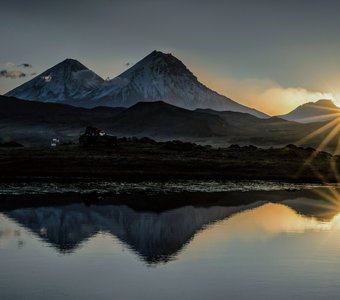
(273,130)
(68,80)
(13,109)
(159,119)
(161,76)
(155,236)
(157,77)
(36,123)
(320,111)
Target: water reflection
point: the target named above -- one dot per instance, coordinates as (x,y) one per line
(8,233)
(275,245)
(272,219)
(159,237)
(155,237)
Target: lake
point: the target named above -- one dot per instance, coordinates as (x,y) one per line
(246,241)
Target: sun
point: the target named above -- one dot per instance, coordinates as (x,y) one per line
(336,100)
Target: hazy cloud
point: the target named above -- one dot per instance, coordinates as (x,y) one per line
(119,81)
(9,64)
(87,77)
(12,74)
(266,95)
(25,65)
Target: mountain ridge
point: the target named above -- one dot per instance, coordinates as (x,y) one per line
(35,123)
(157,119)
(319,111)
(158,76)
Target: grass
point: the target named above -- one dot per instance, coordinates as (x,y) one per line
(136,160)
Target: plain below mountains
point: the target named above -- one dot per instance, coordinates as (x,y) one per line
(157,77)
(35,123)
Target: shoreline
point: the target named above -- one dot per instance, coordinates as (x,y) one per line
(160,178)
(155,202)
(154,187)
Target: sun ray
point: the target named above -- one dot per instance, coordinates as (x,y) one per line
(323,144)
(334,163)
(335,200)
(336,109)
(320,117)
(318,131)
(329,137)
(308,162)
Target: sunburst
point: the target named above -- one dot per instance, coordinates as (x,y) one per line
(329,132)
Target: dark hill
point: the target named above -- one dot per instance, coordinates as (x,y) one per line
(36,123)
(17,109)
(159,119)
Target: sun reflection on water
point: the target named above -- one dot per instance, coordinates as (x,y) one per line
(271,220)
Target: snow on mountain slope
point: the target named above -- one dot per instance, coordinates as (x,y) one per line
(157,77)
(67,80)
(161,76)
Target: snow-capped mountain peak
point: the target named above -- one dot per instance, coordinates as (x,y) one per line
(157,77)
(161,76)
(159,64)
(152,78)
(67,80)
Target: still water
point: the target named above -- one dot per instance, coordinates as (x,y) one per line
(244,245)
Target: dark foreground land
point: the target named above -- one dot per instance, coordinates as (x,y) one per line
(145,159)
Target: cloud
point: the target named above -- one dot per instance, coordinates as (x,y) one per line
(266,95)
(10,64)
(118,82)
(12,74)
(25,65)
(87,77)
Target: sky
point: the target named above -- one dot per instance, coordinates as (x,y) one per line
(267,54)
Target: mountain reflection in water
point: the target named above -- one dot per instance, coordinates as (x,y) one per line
(237,245)
(155,237)
(158,237)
